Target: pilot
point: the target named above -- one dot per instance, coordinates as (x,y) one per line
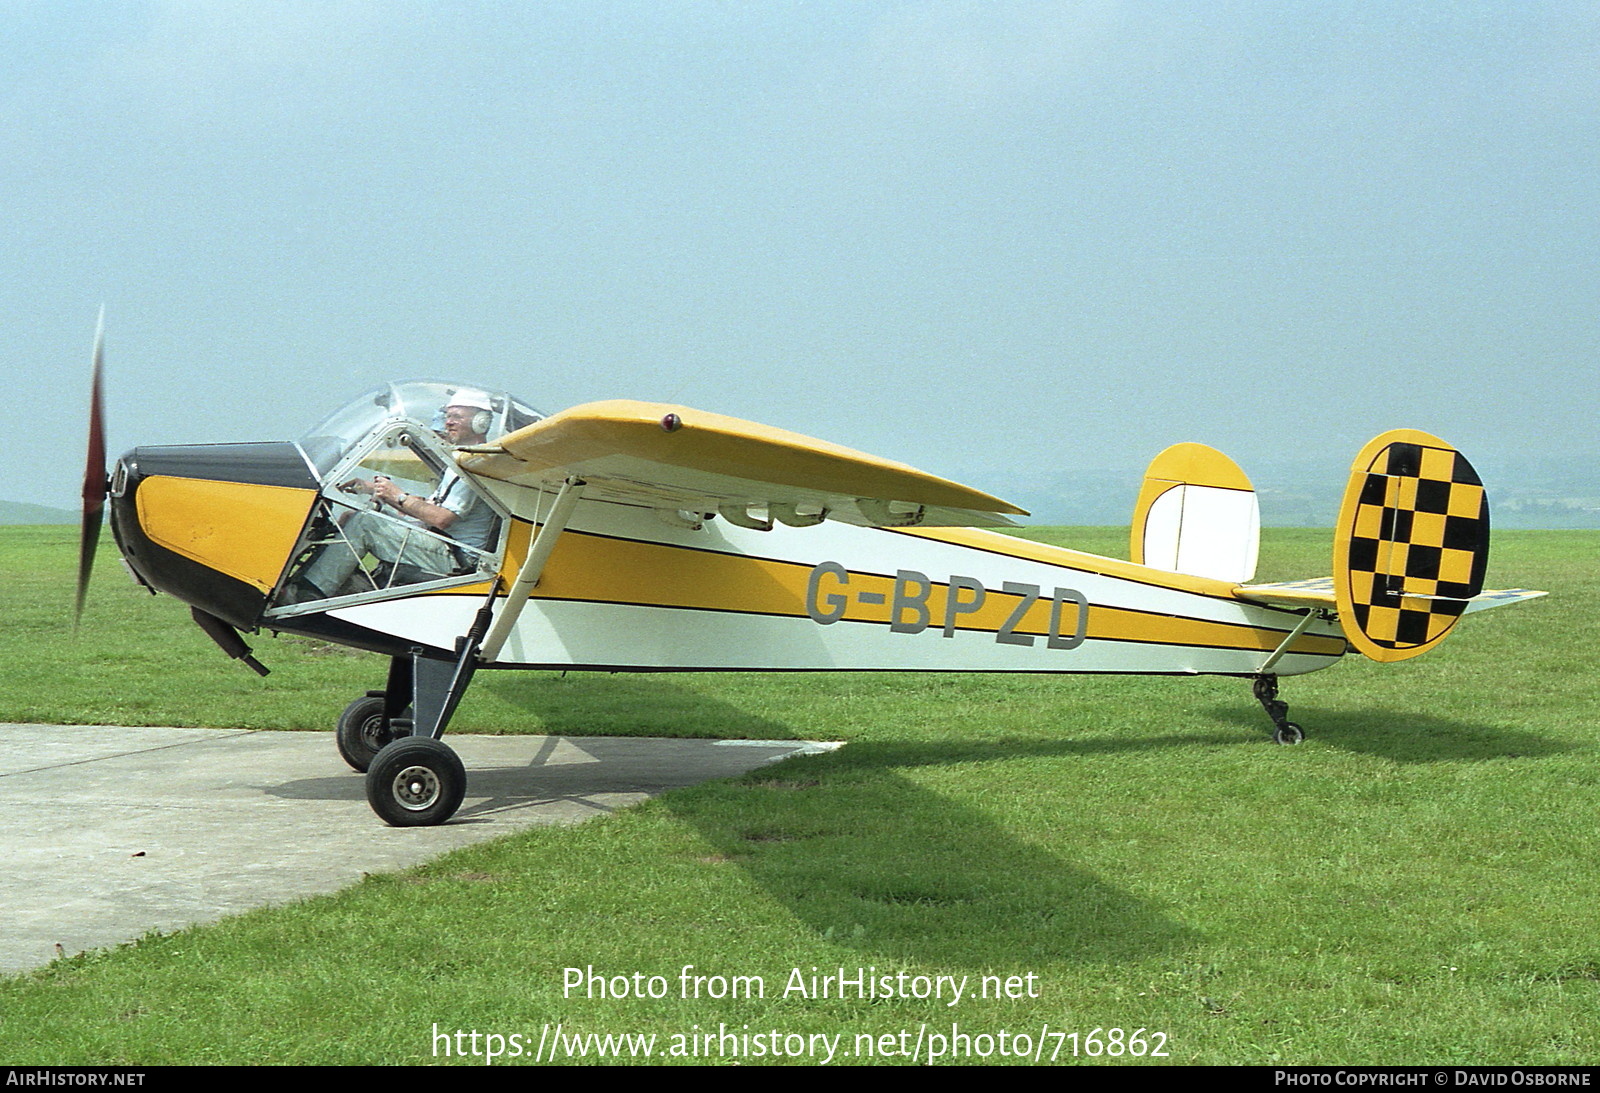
(406,556)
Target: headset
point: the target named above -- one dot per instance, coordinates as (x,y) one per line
(481,421)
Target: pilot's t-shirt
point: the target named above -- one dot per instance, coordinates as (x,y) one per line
(474,521)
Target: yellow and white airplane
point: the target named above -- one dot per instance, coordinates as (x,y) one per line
(628,536)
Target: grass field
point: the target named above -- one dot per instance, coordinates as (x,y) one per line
(1414,884)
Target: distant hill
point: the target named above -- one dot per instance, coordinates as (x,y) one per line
(20,512)
(1525,492)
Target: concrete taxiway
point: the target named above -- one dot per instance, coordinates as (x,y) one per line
(113,832)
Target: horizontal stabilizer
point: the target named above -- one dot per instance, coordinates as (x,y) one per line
(1317,592)
(1499,597)
(1409,551)
(1313,592)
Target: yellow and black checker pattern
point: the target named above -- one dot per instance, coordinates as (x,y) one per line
(1416,545)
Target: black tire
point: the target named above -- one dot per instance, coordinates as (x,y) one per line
(361,733)
(1290,733)
(416,781)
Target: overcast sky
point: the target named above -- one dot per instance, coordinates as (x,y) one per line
(992,239)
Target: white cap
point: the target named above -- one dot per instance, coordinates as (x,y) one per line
(465,397)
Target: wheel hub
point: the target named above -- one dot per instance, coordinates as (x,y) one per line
(416,788)
(373,733)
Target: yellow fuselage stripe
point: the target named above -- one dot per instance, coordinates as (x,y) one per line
(602,569)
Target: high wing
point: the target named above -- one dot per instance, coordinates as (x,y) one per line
(1318,592)
(673,458)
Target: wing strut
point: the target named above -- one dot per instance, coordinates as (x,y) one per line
(532,567)
(1283,646)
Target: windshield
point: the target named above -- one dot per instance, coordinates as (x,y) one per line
(422,402)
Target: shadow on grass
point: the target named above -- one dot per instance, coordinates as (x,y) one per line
(874,862)
(1404,736)
(866,857)
(597,704)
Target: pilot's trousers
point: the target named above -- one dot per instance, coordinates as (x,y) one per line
(399,542)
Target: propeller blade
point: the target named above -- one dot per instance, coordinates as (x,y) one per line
(94,474)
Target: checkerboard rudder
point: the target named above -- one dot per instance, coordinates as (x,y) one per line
(1411,545)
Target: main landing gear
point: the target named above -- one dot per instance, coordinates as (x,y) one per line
(412,781)
(1284,731)
(413,778)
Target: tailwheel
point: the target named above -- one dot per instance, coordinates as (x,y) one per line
(362,733)
(416,781)
(1284,731)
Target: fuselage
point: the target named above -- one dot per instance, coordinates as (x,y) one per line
(625,591)
(234,530)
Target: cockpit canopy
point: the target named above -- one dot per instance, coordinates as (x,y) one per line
(421,402)
(394,514)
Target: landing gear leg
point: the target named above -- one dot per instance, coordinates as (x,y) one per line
(415,780)
(1284,731)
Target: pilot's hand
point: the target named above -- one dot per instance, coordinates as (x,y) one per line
(358,485)
(385,490)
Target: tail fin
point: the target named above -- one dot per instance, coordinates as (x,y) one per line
(1197,514)
(1411,545)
